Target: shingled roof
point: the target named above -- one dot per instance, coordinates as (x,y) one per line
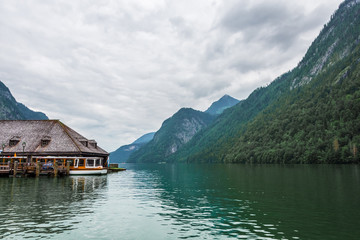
(45,137)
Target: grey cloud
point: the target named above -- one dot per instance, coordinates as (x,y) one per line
(242,17)
(269,22)
(276,23)
(181,27)
(256,35)
(204,85)
(114,70)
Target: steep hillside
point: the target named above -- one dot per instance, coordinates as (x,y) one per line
(309,114)
(173,134)
(10,109)
(318,123)
(123,153)
(145,138)
(220,105)
(188,130)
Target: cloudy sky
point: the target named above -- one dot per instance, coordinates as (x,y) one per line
(114,70)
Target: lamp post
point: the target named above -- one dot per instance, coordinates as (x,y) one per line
(24,145)
(2,152)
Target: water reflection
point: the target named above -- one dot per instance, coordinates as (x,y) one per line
(186,202)
(198,202)
(254,202)
(38,207)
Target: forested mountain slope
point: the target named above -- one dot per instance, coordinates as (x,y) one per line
(310,114)
(173,134)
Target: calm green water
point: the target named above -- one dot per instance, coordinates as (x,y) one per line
(186,202)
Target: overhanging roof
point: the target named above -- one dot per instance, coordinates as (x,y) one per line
(58,138)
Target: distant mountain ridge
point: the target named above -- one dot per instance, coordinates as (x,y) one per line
(220,105)
(173,134)
(123,153)
(10,109)
(144,138)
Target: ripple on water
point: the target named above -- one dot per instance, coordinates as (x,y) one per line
(167,202)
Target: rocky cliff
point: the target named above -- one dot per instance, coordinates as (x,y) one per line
(173,134)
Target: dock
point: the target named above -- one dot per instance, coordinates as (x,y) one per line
(18,166)
(114,167)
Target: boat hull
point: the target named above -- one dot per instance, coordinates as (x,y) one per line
(88,171)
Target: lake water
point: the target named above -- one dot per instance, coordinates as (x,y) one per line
(186,202)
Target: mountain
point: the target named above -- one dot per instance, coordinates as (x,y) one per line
(308,115)
(144,138)
(220,105)
(10,109)
(123,153)
(173,134)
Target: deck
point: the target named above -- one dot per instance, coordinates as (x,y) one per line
(16,166)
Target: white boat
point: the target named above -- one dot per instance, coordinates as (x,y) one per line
(87,166)
(88,172)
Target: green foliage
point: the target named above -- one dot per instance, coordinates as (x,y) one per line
(319,123)
(170,134)
(12,110)
(211,144)
(8,105)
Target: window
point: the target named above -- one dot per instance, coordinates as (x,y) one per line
(13,143)
(84,142)
(71,161)
(45,140)
(81,162)
(93,143)
(44,143)
(98,162)
(90,162)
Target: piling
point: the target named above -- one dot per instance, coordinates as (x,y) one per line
(55,169)
(15,168)
(37,170)
(67,168)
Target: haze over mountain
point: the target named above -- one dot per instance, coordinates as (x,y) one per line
(182,127)
(173,134)
(307,115)
(10,109)
(123,153)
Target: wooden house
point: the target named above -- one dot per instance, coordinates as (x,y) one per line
(49,141)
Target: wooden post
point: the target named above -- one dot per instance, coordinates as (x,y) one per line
(67,168)
(15,167)
(37,171)
(55,168)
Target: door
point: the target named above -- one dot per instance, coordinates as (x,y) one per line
(76,164)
